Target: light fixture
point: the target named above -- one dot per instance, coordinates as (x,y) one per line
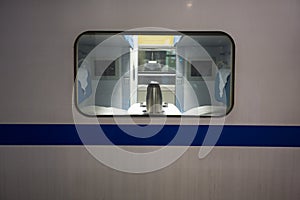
(189,4)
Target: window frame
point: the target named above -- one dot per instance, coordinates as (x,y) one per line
(188,33)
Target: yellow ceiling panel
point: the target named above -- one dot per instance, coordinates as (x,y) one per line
(156,40)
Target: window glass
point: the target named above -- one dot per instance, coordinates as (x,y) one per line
(154,73)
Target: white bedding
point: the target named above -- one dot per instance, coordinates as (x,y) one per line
(207,111)
(101,110)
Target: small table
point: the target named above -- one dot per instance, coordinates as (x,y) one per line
(140,109)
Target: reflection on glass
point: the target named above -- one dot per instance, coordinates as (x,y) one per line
(194,72)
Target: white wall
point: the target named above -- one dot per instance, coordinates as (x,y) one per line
(37,39)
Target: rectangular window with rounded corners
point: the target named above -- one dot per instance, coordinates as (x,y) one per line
(154,72)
